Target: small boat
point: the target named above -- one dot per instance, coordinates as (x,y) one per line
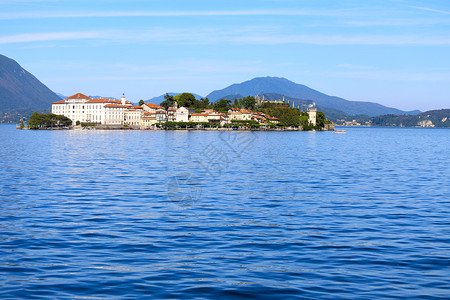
(339,131)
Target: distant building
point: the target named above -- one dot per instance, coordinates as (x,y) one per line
(260,100)
(182,114)
(312,114)
(426,123)
(82,108)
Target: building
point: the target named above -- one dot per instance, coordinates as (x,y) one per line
(132,115)
(148,120)
(84,109)
(312,114)
(199,117)
(151,107)
(182,114)
(259,101)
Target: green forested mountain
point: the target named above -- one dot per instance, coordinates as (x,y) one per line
(438,118)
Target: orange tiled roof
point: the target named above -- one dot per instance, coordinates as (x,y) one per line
(117,105)
(78,96)
(103,100)
(153,105)
(59,102)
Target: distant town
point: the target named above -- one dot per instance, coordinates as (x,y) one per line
(179,112)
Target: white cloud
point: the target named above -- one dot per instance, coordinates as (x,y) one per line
(197,13)
(432,10)
(48,36)
(245,36)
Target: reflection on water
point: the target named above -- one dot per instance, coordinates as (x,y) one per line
(109,214)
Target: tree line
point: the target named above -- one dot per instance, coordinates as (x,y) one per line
(50,120)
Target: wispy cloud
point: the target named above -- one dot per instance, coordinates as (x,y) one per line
(432,9)
(48,36)
(197,13)
(243,36)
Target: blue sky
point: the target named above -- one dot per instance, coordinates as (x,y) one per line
(393,52)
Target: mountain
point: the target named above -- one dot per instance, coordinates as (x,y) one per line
(21,91)
(291,89)
(432,118)
(159,99)
(61,96)
(332,114)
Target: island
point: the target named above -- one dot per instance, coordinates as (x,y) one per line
(181,112)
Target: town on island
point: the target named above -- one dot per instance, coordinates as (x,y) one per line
(182,111)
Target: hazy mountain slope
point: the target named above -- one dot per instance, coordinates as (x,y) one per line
(291,89)
(20,90)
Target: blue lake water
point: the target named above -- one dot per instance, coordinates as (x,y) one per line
(175,214)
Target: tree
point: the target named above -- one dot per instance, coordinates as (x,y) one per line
(223,105)
(236,103)
(205,102)
(21,124)
(185,100)
(48,120)
(249,102)
(320,119)
(168,102)
(141,102)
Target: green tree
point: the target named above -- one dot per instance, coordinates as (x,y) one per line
(320,119)
(21,124)
(205,102)
(168,101)
(35,120)
(185,100)
(236,103)
(141,102)
(48,120)
(249,102)
(223,105)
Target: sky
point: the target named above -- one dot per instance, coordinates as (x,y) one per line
(393,52)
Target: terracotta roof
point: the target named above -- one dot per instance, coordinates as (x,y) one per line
(197,114)
(153,105)
(59,102)
(117,105)
(78,96)
(149,114)
(244,111)
(137,107)
(101,100)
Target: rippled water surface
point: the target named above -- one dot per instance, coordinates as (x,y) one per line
(135,214)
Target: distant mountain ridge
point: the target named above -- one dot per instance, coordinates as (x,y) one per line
(288,88)
(20,90)
(22,93)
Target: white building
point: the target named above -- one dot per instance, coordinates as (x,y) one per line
(312,114)
(82,108)
(151,107)
(198,117)
(182,115)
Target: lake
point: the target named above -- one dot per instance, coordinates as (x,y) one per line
(177,214)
